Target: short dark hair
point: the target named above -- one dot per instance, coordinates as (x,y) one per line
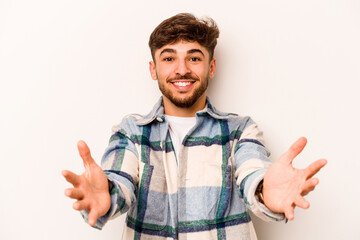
(185,26)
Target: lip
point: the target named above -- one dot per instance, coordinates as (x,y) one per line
(182,84)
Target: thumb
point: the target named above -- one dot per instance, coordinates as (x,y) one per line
(85,154)
(92,217)
(294,150)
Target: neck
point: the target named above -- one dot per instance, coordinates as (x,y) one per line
(173,110)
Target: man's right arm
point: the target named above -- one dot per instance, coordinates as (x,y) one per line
(121,166)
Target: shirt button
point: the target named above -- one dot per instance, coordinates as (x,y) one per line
(159,119)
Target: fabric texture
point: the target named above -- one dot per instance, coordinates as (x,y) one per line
(178,128)
(204,193)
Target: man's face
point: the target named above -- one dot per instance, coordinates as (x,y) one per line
(182,70)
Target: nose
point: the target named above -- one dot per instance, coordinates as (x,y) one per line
(182,68)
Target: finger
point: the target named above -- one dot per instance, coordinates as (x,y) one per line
(85,154)
(309,186)
(295,149)
(289,212)
(81,205)
(74,193)
(302,203)
(314,167)
(92,217)
(71,177)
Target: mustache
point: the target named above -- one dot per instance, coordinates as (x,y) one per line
(184,77)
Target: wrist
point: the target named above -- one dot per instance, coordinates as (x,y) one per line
(110,185)
(259,192)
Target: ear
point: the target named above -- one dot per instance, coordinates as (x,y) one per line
(152,69)
(212,68)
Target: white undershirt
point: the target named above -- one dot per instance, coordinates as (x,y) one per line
(179,127)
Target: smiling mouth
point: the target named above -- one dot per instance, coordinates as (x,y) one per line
(182,83)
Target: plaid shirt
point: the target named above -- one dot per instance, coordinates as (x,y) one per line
(204,193)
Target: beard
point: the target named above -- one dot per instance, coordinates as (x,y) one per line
(188,101)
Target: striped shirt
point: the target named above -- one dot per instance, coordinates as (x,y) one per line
(202,192)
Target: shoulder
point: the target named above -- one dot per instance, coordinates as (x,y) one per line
(234,121)
(241,122)
(133,124)
(128,125)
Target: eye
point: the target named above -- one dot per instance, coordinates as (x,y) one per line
(195,59)
(168,59)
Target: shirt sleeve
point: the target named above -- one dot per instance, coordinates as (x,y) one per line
(251,162)
(120,164)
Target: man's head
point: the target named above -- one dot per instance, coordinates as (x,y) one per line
(185,27)
(182,48)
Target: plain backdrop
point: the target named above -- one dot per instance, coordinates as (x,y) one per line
(70,70)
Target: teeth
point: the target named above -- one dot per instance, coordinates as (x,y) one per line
(182,84)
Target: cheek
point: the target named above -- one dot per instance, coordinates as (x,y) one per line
(202,70)
(164,72)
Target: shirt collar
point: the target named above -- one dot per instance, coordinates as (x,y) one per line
(157,113)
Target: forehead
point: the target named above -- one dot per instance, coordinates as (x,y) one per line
(182,47)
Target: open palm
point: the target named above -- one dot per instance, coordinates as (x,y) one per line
(286,186)
(91,188)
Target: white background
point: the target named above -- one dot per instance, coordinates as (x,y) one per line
(69,70)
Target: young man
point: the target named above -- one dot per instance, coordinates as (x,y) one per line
(186,170)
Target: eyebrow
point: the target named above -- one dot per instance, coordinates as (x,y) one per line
(170,50)
(195,51)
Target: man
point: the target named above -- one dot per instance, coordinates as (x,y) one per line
(186,170)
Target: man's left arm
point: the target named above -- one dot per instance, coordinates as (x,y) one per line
(251,161)
(254,168)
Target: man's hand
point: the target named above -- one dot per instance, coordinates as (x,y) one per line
(284,186)
(90,188)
